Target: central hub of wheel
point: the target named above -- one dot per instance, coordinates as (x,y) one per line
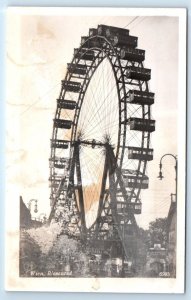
(93,143)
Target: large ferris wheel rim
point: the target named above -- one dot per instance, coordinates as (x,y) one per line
(101,50)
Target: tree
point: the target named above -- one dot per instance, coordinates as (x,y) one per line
(157,233)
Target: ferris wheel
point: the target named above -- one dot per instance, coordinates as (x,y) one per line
(101,142)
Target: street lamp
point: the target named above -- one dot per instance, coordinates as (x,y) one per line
(175,167)
(35,206)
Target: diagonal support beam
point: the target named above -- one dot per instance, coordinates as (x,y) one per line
(102,193)
(115,178)
(55,201)
(80,190)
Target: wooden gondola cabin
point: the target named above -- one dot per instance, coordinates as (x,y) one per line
(140,97)
(140,153)
(140,124)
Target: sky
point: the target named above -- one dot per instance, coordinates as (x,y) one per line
(38,50)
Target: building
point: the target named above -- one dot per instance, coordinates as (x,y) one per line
(172,235)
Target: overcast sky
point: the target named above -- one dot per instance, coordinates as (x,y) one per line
(38,50)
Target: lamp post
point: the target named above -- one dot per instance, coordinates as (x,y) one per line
(176,169)
(35,205)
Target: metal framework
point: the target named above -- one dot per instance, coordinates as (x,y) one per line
(124,158)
